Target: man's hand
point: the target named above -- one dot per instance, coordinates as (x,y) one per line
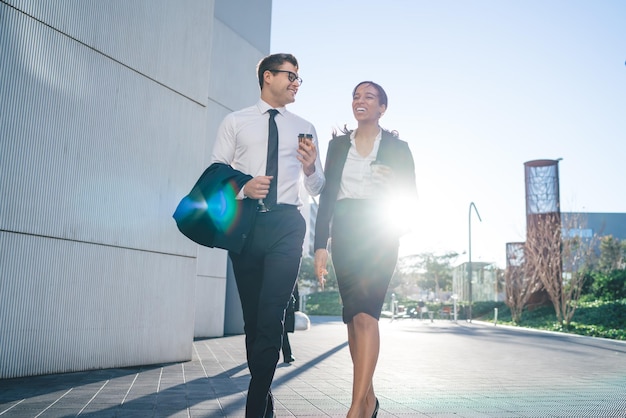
(307,154)
(321,258)
(258,187)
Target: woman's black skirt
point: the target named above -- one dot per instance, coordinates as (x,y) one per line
(364,251)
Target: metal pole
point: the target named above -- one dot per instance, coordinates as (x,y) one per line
(469,263)
(454,297)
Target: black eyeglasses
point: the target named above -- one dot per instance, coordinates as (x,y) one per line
(290,75)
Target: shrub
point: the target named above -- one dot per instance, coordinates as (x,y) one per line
(609,286)
(326,303)
(606,319)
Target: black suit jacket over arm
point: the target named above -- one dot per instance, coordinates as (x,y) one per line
(229,221)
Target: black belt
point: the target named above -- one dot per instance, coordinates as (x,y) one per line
(276,208)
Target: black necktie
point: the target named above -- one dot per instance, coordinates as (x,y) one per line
(272,159)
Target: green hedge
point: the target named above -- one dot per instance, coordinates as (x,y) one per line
(326,303)
(596,318)
(606,319)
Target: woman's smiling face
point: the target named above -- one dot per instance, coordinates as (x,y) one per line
(366,103)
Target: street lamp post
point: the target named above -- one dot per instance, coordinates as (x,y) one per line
(469,263)
(454,298)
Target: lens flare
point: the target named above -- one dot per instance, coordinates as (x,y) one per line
(222,208)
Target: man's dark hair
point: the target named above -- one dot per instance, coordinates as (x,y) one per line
(272,62)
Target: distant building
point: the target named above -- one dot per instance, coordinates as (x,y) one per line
(589,224)
(484,282)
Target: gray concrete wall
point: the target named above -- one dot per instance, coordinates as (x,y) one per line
(107,115)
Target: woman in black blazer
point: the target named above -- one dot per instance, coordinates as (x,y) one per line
(370,176)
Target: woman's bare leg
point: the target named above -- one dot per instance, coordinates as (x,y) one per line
(364,343)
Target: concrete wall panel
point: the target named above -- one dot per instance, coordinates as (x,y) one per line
(252,26)
(101,150)
(209,303)
(69,306)
(233,82)
(164,40)
(210,292)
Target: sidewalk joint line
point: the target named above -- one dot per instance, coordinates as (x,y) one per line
(200,360)
(159,381)
(11,407)
(50,406)
(92,398)
(128,391)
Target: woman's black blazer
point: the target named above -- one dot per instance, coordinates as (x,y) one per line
(392,152)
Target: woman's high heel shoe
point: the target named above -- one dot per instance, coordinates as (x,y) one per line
(375,414)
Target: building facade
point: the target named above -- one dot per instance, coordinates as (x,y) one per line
(108,112)
(484,278)
(588,224)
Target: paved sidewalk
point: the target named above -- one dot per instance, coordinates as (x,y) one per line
(426,369)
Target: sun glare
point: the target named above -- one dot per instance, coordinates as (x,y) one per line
(400,215)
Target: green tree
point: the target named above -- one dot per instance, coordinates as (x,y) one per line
(437,271)
(612,254)
(430,271)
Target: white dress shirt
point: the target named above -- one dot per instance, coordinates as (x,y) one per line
(241,142)
(356,179)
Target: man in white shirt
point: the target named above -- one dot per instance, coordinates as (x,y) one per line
(266,269)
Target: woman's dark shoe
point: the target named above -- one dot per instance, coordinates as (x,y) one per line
(289,359)
(375,414)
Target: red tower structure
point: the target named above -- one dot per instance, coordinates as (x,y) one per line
(542,250)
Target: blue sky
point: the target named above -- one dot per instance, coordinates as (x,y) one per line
(476,88)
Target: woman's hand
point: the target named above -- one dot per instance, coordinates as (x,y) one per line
(321,258)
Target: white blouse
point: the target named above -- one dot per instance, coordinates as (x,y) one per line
(356,180)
